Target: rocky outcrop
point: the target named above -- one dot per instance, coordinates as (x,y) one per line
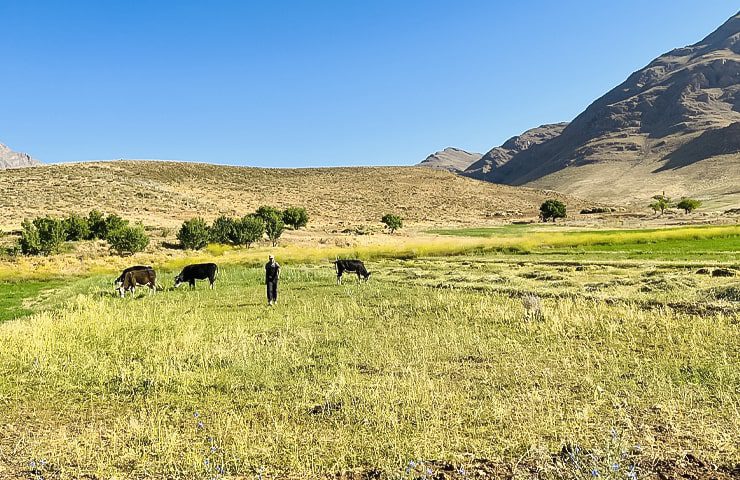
(11,159)
(450,159)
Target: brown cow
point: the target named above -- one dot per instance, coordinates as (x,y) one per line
(138,277)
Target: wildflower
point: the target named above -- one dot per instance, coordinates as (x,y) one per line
(206,462)
(595,472)
(32,464)
(196,414)
(615,466)
(220,469)
(429,472)
(614,433)
(214,448)
(199,425)
(462,471)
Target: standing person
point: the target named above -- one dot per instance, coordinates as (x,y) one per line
(272,275)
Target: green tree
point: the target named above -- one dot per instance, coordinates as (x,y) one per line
(274,227)
(247,230)
(393,222)
(222,229)
(688,205)
(77,227)
(112,223)
(96,224)
(661,202)
(194,234)
(552,209)
(266,211)
(51,234)
(128,240)
(30,242)
(295,217)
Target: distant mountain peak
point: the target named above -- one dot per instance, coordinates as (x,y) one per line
(451,159)
(11,159)
(670,125)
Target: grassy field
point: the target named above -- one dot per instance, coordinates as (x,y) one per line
(486,361)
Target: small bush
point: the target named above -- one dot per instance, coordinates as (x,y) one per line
(128,240)
(274,227)
(688,205)
(77,227)
(247,230)
(51,234)
(295,217)
(194,234)
(393,222)
(222,230)
(113,223)
(552,209)
(96,225)
(265,212)
(30,242)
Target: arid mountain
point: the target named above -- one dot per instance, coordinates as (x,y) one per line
(498,156)
(450,159)
(671,126)
(11,159)
(165,193)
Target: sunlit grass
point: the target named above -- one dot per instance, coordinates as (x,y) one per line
(359,375)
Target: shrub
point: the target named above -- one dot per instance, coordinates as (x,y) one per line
(393,222)
(112,223)
(660,204)
(96,224)
(688,205)
(30,243)
(295,217)
(552,209)
(51,234)
(274,227)
(193,234)
(265,212)
(77,227)
(247,230)
(222,230)
(128,240)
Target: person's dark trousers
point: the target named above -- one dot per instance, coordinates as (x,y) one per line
(272,287)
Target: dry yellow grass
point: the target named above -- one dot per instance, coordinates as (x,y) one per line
(166,193)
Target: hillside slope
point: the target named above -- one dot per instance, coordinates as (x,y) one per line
(450,159)
(165,193)
(498,156)
(671,126)
(11,159)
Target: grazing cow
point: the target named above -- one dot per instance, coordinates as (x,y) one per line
(352,266)
(118,281)
(133,278)
(199,271)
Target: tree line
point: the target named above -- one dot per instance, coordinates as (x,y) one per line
(195,233)
(46,235)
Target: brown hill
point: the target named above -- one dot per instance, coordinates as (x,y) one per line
(498,156)
(11,159)
(165,193)
(450,159)
(670,126)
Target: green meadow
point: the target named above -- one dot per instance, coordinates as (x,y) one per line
(438,360)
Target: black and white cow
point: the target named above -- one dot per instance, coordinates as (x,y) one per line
(118,281)
(198,271)
(147,278)
(351,266)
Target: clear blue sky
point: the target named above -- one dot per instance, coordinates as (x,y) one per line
(315,83)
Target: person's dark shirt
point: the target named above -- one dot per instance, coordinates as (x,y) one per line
(272,270)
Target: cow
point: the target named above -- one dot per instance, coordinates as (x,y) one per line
(352,266)
(118,281)
(133,278)
(199,271)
